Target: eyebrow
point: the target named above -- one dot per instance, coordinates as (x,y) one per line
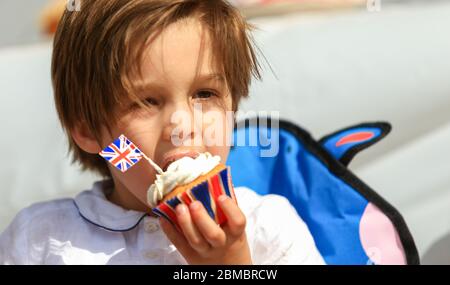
(149,85)
(210,77)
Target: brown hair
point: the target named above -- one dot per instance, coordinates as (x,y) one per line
(95,51)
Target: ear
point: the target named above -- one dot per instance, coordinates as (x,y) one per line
(84,138)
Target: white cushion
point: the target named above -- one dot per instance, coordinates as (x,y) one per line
(34,152)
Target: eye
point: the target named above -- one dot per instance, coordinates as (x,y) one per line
(151,101)
(204,94)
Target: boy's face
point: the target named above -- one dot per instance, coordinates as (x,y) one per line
(168,129)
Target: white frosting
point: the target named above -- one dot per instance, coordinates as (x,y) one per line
(180,172)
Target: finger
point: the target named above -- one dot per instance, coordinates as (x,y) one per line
(236,220)
(212,232)
(190,231)
(177,238)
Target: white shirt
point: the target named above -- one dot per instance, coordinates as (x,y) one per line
(91,230)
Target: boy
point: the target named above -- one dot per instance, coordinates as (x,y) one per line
(128,67)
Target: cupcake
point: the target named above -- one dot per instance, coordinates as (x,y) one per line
(189,179)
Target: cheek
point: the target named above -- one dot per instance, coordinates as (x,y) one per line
(132,125)
(143,131)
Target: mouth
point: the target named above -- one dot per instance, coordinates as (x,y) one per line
(174,156)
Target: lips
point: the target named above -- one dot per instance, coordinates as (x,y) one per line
(171,157)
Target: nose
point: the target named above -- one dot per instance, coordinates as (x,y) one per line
(183,127)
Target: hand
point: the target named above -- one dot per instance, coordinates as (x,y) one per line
(202,241)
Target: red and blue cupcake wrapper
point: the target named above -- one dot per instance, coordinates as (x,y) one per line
(206,192)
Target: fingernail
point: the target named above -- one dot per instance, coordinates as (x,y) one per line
(195,205)
(181,209)
(222,198)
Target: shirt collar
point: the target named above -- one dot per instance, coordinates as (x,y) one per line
(94,207)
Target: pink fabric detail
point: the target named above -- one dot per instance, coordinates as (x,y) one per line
(379,238)
(356,137)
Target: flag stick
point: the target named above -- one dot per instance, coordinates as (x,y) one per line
(152,163)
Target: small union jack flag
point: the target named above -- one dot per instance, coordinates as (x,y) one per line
(122,153)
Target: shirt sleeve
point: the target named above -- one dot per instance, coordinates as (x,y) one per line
(277,233)
(14,243)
